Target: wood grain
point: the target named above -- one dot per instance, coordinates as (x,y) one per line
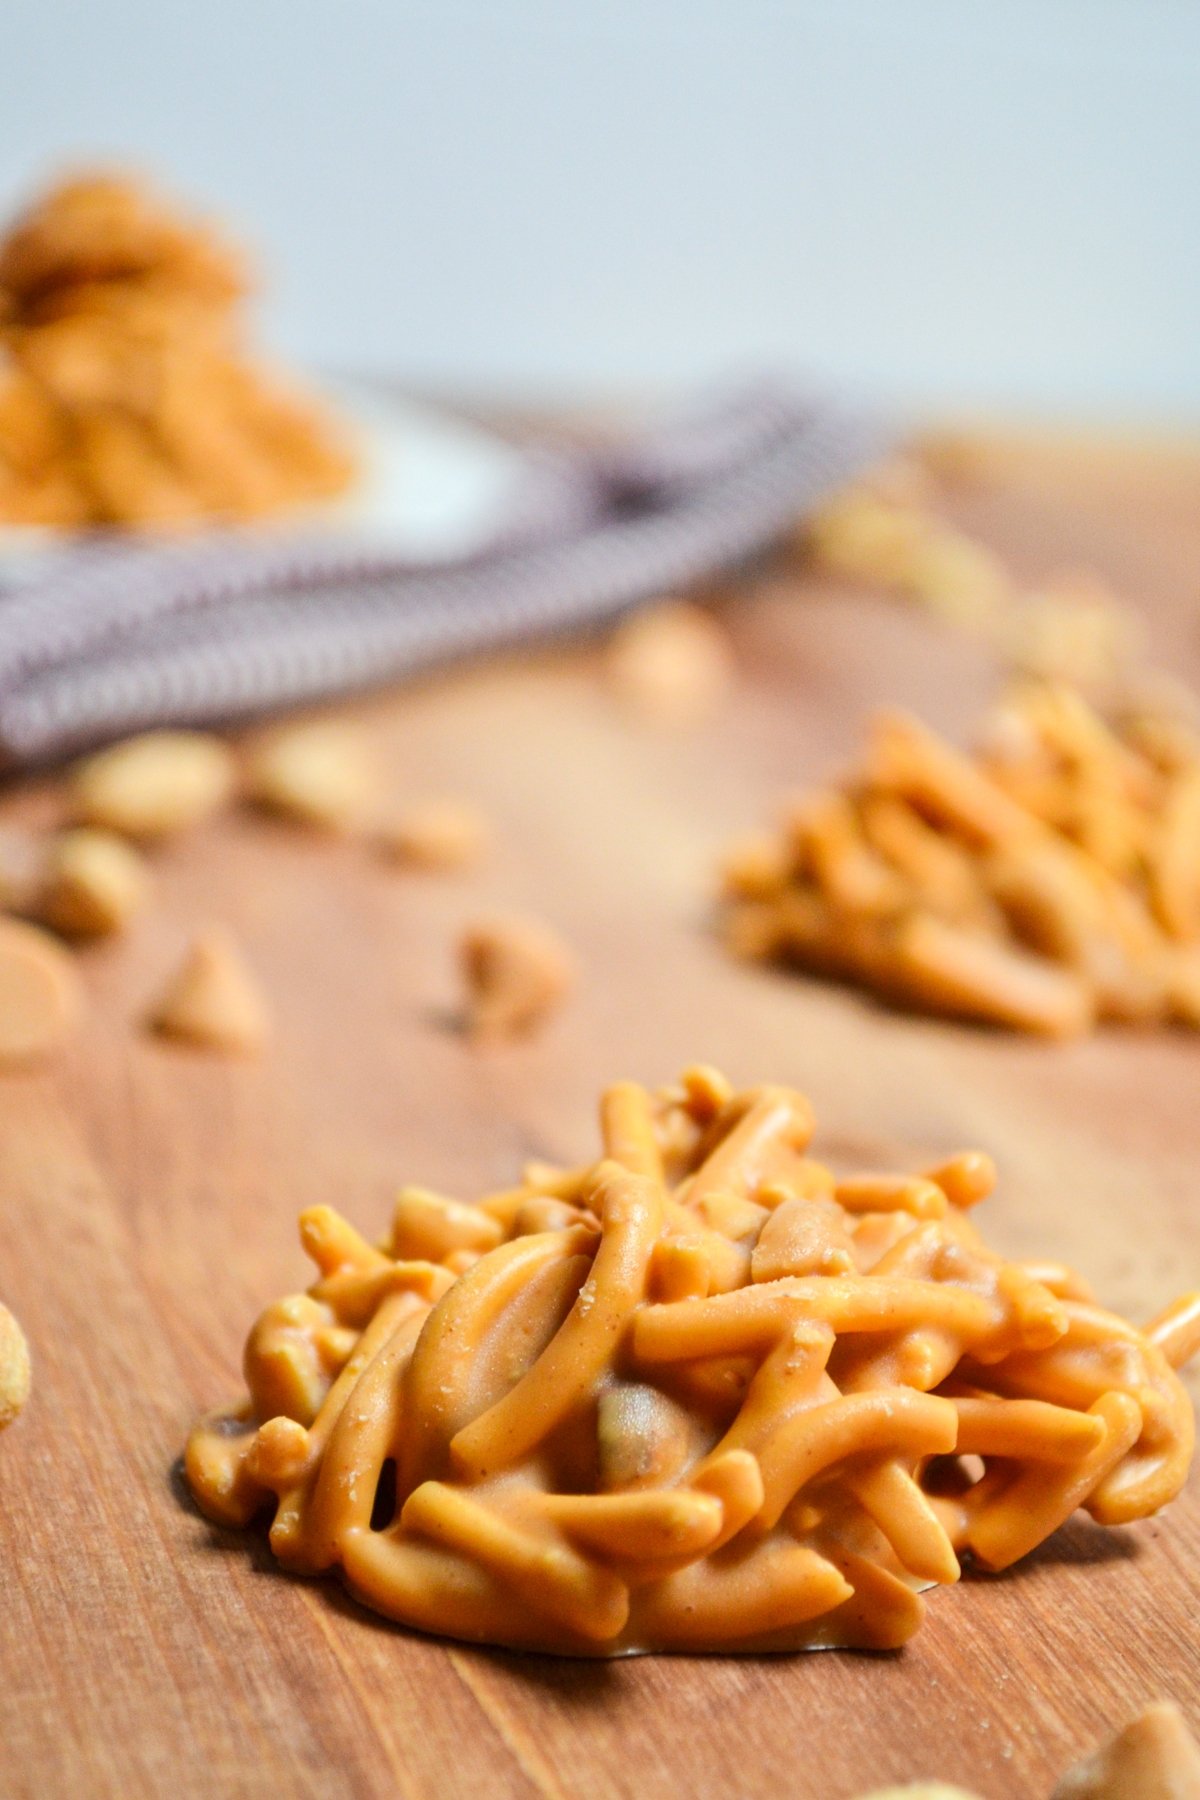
(148,1198)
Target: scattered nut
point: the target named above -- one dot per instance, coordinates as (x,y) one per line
(213,1001)
(516,971)
(1154,1758)
(94,883)
(316,773)
(154,785)
(671,663)
(440,834)
(15,1374)
(40,996)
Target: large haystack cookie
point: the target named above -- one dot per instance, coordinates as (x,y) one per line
(700,1395)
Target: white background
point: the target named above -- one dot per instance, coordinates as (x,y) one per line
(941,201)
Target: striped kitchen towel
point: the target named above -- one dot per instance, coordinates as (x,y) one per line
(119,636)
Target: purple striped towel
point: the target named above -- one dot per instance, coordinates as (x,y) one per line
(229,625)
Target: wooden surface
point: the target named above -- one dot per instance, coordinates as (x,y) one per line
(148,1199)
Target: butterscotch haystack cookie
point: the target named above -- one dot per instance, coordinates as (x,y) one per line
(1049,880)
(126,396)
(701,1394)
(212,1000)
(15,1372)
(40,995)
(516,972)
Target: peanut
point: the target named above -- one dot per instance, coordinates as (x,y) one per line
(316,773)
(94,883)
(154,785)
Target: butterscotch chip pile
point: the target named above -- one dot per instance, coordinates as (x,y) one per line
(1050,880)
(701,1394)
(126,394)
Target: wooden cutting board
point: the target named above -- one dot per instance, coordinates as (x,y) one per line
(148,1198)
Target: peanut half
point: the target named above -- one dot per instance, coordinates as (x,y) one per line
(154,785)
(315,773)
(94,883)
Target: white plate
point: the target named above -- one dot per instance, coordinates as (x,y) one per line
(433,487)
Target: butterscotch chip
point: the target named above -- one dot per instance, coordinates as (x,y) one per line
(40,997)
(1154,1758)
(94,883)
(441,834)
(154,785)
(517,971)
(15,1372)
(671,663)
(317,774)
(213,1000)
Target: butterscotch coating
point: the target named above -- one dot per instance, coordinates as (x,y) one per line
(703,1394)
